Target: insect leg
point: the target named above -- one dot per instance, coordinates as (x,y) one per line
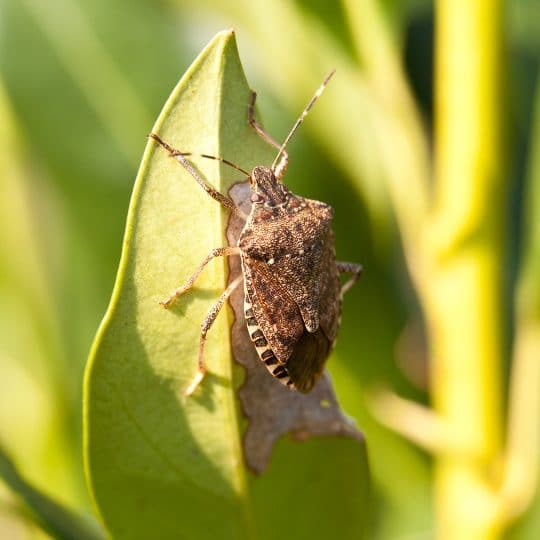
(349,268)
(214,193)
(205,326)
(217,252)
(284,160)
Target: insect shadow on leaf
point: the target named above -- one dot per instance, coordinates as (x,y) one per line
(291,279)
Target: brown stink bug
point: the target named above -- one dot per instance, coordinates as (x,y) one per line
(292,288)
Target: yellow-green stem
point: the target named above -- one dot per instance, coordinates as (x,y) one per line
(463,296)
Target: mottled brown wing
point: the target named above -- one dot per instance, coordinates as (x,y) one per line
(307,361)
(310,278)
(303,353)
(310,353)
(294,241)
(305,271)
(276,312)
(329,299)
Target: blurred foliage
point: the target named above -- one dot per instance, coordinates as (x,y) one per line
(81,83)
(60,522)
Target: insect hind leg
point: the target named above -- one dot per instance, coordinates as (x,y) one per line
(205,326)
(349,268)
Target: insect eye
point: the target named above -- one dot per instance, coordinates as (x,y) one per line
(256,198)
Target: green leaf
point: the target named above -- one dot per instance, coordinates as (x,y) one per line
(160,464)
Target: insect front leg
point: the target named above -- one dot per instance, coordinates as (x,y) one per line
(349,268)
(284,160)
(217,252)
(205,326)
(214,193)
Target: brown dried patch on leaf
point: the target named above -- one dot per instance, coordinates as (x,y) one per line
(271,409)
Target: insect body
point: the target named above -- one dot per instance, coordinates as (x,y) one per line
(291,281)
(292,289)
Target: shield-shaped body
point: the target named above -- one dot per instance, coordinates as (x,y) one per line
(291,282)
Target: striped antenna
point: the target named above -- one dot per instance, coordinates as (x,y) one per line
(175,153)
(302,116)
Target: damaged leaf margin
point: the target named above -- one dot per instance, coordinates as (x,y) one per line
(273,410)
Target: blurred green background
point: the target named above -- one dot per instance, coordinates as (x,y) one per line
(81,82)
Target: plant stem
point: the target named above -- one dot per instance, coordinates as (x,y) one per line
(463,297)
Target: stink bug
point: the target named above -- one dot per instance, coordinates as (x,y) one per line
(292,289)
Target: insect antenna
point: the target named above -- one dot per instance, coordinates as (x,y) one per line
(302,116)
(173,152)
